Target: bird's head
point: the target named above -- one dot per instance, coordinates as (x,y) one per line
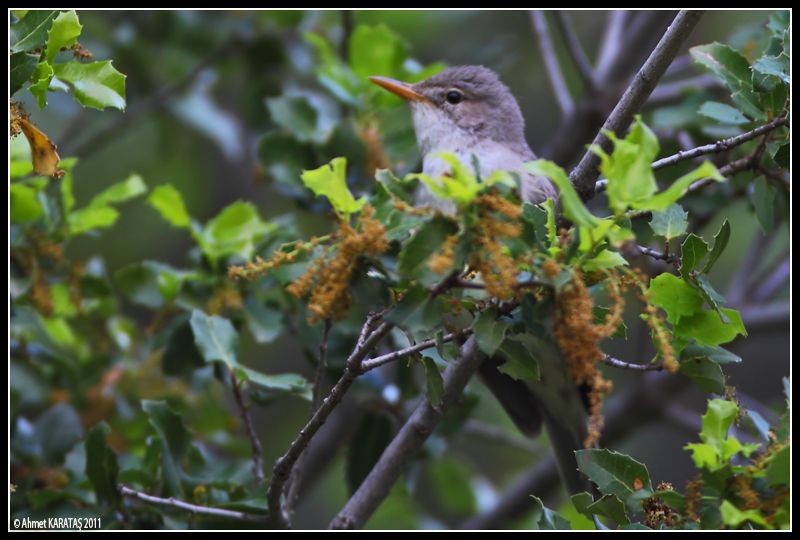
(463,102)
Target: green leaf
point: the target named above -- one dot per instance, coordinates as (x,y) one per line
(215,337)
(734,70)
(329,181)
(24,206)
(371,437)
(91,218)
(676,297)
(693,250)
(778,467)
(435,385)
(629,167)
(298,116)
(613,473)
(520,362)
(717,448)
(670,223)
(376,50)
(416,311)
(181,355)
(707,375)
(711,296)
(41,78)
(723,113)
(544,519)
(264,322)
(97,84)
(777,66)
(175,439)
(733,517)
(764,204)
(102,469)
(31,32)
(56,432)
(669,196)
(611,507)
(151,283)
(169,203)
(63,33)
(234,231)
(489,332)
(461,185)
(717,355)
(706,327)
(720,243)
(22,66)
(131,187)
(574,208)
(426,241)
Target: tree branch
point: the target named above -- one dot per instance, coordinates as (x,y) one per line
(406,444)
(284,465)
(584,175)
(189,507)
(551,62)
(255,442)
(614,362)
(378,361)
(576,51)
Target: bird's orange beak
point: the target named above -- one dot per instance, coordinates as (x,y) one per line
(404,90)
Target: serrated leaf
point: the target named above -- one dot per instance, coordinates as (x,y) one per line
(426,241)
(175,439)
(720,243)
(723,113)
(611,507)
(764,203)
(571,203)
(693,250)
(31,32)
(777,66)
(169,203)
(434,383)
(676,297)
(613,473)
(102,469)
(489,332)
(40,83)
(22,66)
(97,84)
(678,188)
(544,519)
(670,223)
(707,328)
(330,182)
(63,33)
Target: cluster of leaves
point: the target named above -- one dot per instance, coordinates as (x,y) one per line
(99,399)
(738,485)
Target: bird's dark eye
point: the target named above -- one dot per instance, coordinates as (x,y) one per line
(454,96)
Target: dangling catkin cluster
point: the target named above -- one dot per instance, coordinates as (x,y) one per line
(253,269)
(497,220)
(327,280)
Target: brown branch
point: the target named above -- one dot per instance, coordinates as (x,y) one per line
(615,362)
(584,175)
(554,73)
(189,507)
(255,443)
(408,441)
(284,465)
(378,361)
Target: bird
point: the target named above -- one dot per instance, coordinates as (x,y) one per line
(469,112)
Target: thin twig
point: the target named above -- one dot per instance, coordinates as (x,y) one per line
(617,363)
(584,175)
(376,486)
(378,361)
(576,51)
(189,507)
(293,489)
(255,443)
(670,258)
(551,62)
(284,465)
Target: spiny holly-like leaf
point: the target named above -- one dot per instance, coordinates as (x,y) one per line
(40,83)
(693,250)
(168,202)
(31,32)
(670,223)
(720,243)
(97,84)
(101,466)
(63,33)
(614,473)
(330,182)
(573,207)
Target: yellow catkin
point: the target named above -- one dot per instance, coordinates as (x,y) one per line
(442,261)
(491,260)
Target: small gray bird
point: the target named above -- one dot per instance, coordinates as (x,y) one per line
(468,111)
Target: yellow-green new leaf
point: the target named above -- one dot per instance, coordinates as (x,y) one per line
(570,201)
(330,182)
(669,196)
